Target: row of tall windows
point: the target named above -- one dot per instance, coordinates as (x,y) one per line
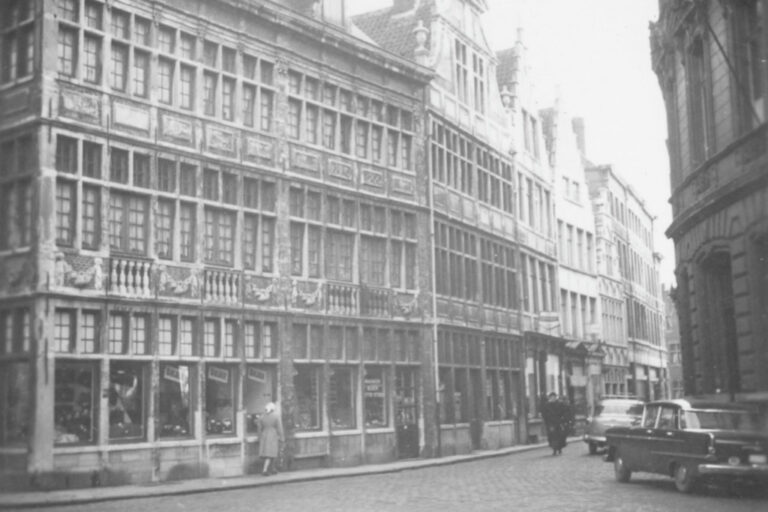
(579,314)
(471,78)
(538,285)
(534,205)
(17,162)
(470,167)
(613,320)
(461,274)
(323,114)
(326,229)
(132,55)
(576,247)
(642,322)
(17,40)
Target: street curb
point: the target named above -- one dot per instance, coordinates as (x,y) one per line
(95,495)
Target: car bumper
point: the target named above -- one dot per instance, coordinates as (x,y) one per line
(588,438)
(743,470)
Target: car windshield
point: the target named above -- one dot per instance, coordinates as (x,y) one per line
(713,419)
(620,408)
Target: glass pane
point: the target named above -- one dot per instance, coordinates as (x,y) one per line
(15,401)
(126,401)
(219,400)
(74,405)
(305,384)
(341,398)
(260,385)
(375,397)
(173,399)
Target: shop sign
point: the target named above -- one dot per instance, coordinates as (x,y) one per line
(257,375)
(172,373)
(374,388)
(218,374)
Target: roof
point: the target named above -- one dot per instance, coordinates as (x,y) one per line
(507,67)
(392,27)
(698,403)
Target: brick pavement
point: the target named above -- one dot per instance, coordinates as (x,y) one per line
(532,480)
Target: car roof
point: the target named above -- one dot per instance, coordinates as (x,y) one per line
(622,400)
(698,403)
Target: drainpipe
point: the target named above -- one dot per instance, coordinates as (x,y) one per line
(433,283)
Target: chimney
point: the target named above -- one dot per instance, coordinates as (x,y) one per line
(578,129)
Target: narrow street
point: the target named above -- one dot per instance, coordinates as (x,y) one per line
(529,481)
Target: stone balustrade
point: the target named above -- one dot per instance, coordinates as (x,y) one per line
(342,299)
(222,286)
(375,301)
(129,277)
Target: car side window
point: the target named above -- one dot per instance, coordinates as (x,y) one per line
(668,418)
(649,418)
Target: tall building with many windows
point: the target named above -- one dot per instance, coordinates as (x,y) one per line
(478,322)
(710,61)
(580,313)
(208,206)
(630,293)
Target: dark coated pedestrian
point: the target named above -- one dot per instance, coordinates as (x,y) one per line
(270,437)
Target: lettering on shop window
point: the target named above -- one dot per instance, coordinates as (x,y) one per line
(257,375)
(172,373)
(218,374)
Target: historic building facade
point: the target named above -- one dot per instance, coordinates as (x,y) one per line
(672,340)
(479,361)
(208,206)
(580,315)
(710,61)
(630,292)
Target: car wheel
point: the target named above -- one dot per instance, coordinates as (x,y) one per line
(684,480)
(592,448)
(620,470)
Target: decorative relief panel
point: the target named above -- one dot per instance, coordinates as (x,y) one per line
(372,178)
(406,305)
(177,129)
(340,170)
(443,308)
(262,291)
(76,271)
(404,185)
(304,160)
(80,105)
(178,282)
(130,116)
(259,149)
(221,141)
(307,295)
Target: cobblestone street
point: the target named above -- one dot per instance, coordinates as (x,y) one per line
(528,481)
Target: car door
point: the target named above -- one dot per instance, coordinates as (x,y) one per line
(644,438)
(666,443)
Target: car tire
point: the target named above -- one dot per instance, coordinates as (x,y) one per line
(592,448)
(623,474)
(684,480)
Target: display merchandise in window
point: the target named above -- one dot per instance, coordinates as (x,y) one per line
(74,410)
(174,411)
(259,390)
(341,398)
(219,400)
(306,384)
(15,401)
(126,401)
(375,397)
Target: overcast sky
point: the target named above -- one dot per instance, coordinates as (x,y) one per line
(597,54)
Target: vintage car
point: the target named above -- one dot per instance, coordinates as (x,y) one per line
(610,412)
(692,441)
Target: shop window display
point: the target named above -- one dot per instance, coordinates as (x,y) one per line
(219,400)
(306,385)
(126,401)
(74,402)
(375,397)
(15,400)
(341,398)
(173,401)
(260,385)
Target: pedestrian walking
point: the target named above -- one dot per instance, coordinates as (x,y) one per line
(270,431)
(557,417)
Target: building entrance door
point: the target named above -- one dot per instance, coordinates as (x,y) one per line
(407,412)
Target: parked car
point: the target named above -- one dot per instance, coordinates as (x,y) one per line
(693,441)
(610,412)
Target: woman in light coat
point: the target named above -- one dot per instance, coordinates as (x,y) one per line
(270,436)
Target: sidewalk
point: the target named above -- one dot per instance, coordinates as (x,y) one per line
(124,492)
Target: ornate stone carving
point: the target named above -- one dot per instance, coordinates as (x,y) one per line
(170,284)
(253,292)
(340,170)
(80,272)
(405,307)
(304,299)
